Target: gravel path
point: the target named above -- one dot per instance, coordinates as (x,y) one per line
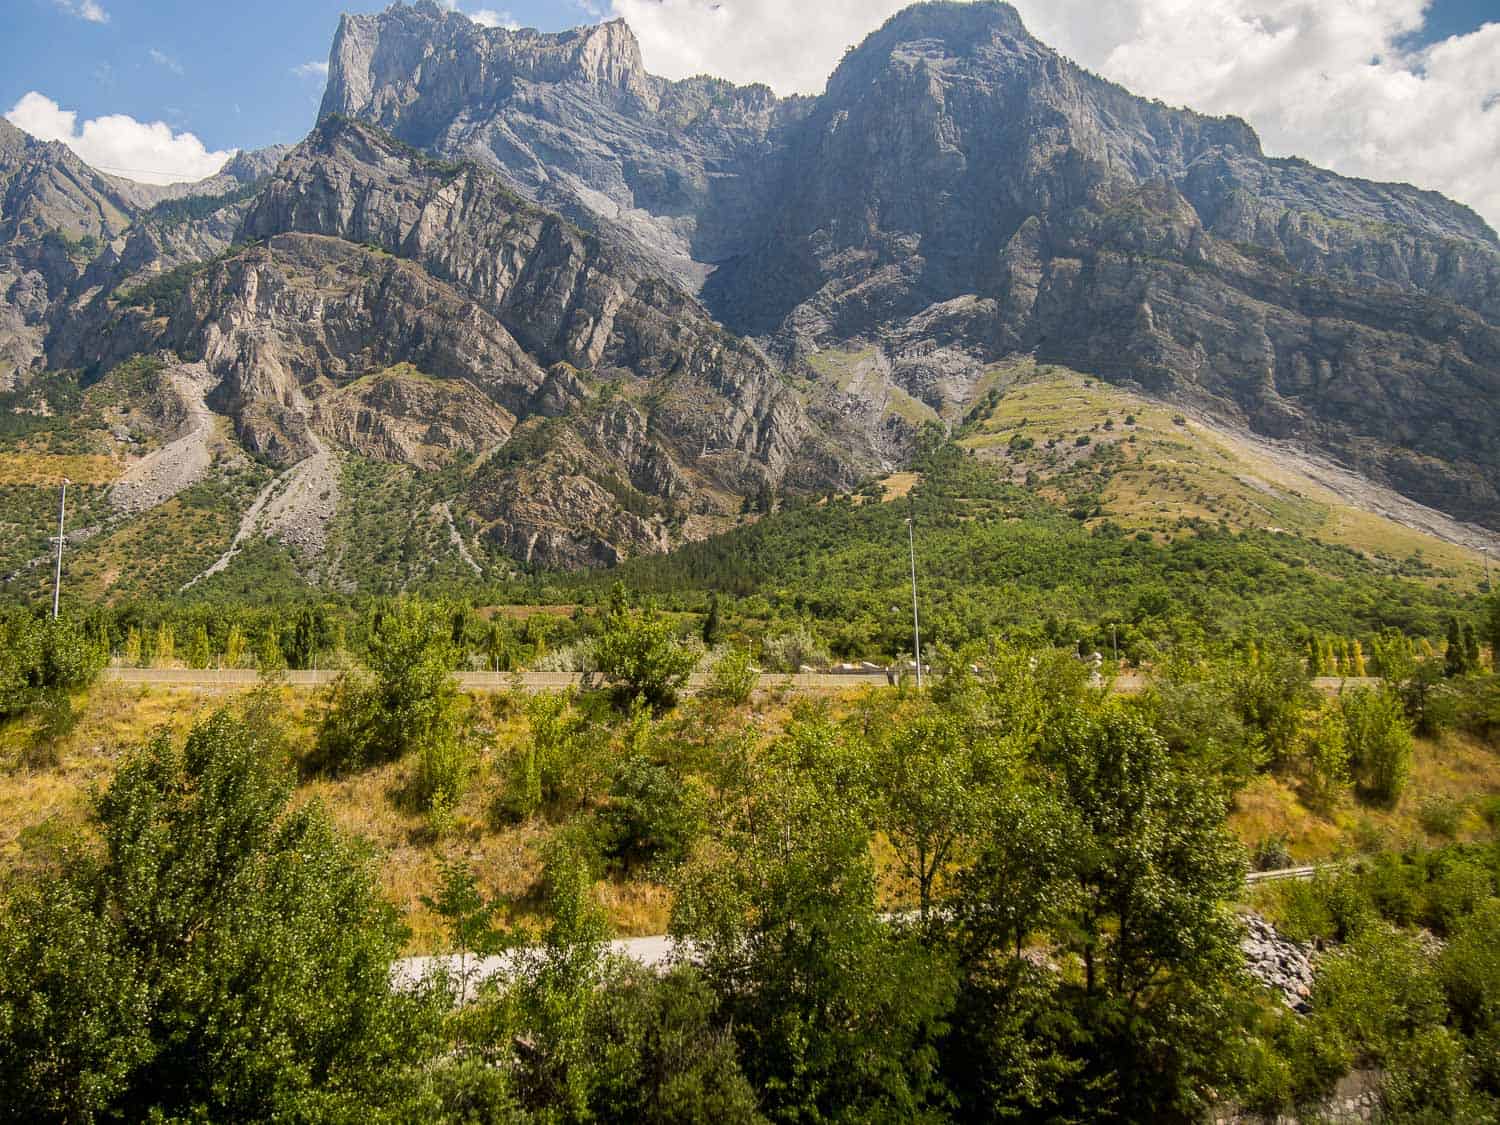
(409,972)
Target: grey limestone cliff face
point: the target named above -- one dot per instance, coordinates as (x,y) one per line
(572,121)
(69,232)
(562,293)
(54,213)
(411,310)
(960,193)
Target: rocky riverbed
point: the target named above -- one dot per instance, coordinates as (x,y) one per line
(1278,962)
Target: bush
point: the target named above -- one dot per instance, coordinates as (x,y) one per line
(1326,759)
(40,657)
(664,1055)
(445,764)
(1458,887)
(1271,853)
(1377,992)
(559,766)
(733,678)
(405,702)
(1440,816)
(652,817)
(639,655)
(1380,742)
(792,649)
(55,720)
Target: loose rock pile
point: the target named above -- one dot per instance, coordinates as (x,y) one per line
(1278,962)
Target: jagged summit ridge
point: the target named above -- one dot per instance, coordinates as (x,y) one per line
(443,55)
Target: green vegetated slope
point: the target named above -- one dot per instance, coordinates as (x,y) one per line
(993,556)
(1075,502)
(1100,449)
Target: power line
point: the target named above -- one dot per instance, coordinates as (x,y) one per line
(149,172)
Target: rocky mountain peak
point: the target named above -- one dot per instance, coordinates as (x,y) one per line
(950,28)
(249,165)
(407,68)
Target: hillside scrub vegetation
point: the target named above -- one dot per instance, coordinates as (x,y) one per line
(1011,895)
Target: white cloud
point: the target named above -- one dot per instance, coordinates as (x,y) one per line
(311,70)
(150,153)
(1329,80)
(164,60)
(84,9)
(488,17)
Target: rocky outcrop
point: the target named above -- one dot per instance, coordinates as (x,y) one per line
(1282,965)
(572,121)
(56,213)
(961,193)
(69,232)
(405,417)
(411,310)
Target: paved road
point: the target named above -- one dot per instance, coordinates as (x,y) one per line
(468,681)
(652,952)
(199,679)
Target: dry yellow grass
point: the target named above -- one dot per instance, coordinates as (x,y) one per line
(898,485)
(507,859)
(113,719)
(1455,767)
(51,468)
(1174,467)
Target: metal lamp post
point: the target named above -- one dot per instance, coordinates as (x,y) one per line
(62,515)
(916,624)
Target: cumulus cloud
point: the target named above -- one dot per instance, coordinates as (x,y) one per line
(1331,80)
(84,9)
(148,152)
(488,17)
(311,70)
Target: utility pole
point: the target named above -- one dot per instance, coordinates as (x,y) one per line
(1114,636)
(62,514)
(916,624)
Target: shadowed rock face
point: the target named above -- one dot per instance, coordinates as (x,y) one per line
(54,213)
(961,192)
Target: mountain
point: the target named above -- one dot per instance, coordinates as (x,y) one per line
(515,301)
(961,193)
(66,228)
(410,311)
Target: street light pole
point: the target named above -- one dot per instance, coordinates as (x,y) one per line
(62,514)
(916,625)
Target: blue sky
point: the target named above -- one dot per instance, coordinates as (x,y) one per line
(223,71)
(1387,89)
(1447,18)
